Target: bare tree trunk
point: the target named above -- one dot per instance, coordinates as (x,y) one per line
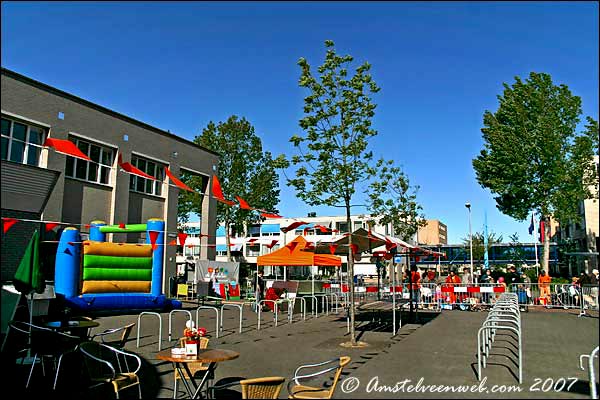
(228,242)
(546,255)
(350,275)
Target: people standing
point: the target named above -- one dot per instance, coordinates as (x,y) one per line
(544,284)
(259,287)
(486,280)
(452,280)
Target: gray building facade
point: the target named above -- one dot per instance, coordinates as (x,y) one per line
(99,190)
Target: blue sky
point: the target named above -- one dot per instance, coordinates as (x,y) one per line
(440,65)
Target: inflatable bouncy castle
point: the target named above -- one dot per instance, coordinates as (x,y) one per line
(99,275)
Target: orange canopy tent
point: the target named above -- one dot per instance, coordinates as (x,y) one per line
(294,254)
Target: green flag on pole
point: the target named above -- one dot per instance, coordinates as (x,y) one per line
(29,277)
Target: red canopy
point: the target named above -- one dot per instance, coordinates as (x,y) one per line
(294,255)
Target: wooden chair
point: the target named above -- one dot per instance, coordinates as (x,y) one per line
(107,365)
(255,388)
(119,343)
(195,367)
(299,391)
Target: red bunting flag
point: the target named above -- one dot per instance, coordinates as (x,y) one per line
(269,215)
(67,147)
(273,243)
(130,169)
(322,228)
(217,192)
(252,240)
(291,246)
(294,225)
(332,248)
(243,204)
(173,242)
(50,226)
(389,245)
(153,238)
(182,236)
(7,223)
(177,182)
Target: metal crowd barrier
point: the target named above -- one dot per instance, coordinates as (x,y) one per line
(591,357)
(216,310)
(139,325)
(178,311)
(504,315)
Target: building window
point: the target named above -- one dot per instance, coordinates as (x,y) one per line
(342,227)
(97,170)
(22,143)
(144,185)
(253,250)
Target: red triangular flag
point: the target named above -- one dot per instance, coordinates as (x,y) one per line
(322,228)
(7,223)
(177,182)
(67,147)
(269,215)
(50,226)
(252,240)
(218,192)
(153,238)
(182,236)
(291,246)
(129,168)
(332,248)
(243,204)
(294,225)
(389,245)
(273,243)
(173,242)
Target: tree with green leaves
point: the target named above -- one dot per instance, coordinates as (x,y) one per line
(245,170)
(189,202)
(533,157)
(333,157)
(393,201)
(479,245)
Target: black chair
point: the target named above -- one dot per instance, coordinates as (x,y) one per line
(116,337)
(44,344)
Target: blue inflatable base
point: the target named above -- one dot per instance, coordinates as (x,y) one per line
(122,301)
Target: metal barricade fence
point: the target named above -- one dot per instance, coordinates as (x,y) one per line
(466,295)
(589,298)
(553,295)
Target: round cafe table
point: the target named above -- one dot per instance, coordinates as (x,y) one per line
(77,328)
(210,356)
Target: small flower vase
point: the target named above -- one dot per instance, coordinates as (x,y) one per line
(191,347)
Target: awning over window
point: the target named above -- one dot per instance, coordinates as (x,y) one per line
(270,228)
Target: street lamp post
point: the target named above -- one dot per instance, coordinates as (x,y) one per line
(468,205)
